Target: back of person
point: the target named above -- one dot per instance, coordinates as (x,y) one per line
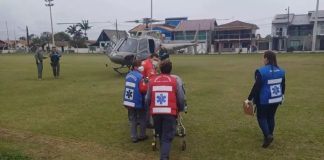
(133,100)
(132,96)
(271,87)
(163,95)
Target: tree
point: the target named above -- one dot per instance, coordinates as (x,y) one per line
(72,30)
(84,25)
(62,36)
(22,38)
(77,39)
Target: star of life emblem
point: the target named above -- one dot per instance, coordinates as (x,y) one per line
(161,99)
(129,94)
(275,90)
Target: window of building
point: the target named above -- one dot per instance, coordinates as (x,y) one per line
(322,30)
(228,45)
(178,36)
(279,31)
(295,44)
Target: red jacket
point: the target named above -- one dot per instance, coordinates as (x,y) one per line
(149,69)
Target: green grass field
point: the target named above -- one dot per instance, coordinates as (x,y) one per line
(80,115)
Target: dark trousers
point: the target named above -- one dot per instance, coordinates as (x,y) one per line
(266,118)
(165,127)
(56,69)
(39,70)
(136,116)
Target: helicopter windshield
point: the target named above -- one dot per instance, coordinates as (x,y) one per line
(129,45)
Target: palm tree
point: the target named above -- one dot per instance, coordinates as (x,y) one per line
(72,30)
(84,25)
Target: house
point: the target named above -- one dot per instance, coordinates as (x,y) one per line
(108,38)
(3,45)
(295,31)
(236,36)
(165,29)
(263,44)
(187,30)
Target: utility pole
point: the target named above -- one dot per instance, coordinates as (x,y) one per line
(118,37)
(50,4)
(151,12)
(288,21)
(27,37)
(8,43)
(315,28)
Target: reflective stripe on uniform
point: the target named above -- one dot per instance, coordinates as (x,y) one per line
(162,88)
(130,84)
(275,100)
(129,104)
(161,110)
(275,81)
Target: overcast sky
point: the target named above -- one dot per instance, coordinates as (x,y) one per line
(34,14)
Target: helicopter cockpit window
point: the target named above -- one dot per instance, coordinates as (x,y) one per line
(129,45)
(152,45)
(143,45)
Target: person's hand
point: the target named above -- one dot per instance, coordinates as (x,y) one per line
(248,102)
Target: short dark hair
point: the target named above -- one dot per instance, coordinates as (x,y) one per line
(136,63)
(271,57)
(154,55)
(166,66)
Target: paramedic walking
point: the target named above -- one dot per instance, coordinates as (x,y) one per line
(268,93)
(165,97)
(134,102)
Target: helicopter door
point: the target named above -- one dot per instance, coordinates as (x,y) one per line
(151,45)
(143,52)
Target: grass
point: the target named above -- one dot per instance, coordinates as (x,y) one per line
(80,115)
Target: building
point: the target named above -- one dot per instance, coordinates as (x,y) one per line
(294,32)
(108,39)
(165,29)
(235,36)
(3,45)
(187,30)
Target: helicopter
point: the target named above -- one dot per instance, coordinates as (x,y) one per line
(142,45)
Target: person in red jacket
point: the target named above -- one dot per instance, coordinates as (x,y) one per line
(166,98)
(150,66)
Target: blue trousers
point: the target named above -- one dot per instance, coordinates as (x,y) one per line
(266,118)
(165,126)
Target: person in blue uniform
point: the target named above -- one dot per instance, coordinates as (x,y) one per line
(55,62)
(133,100)
(268,93)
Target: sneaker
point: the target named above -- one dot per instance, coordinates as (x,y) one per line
(143,138)
(134,140)
(267,141)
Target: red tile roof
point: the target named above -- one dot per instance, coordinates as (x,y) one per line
(236,25)
(142,27)
(193,25)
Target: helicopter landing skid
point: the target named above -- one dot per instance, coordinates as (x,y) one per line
(117,69)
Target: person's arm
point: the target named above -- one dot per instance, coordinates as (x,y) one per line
(148,97)
(180,94)
(283,85)
(256,87)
